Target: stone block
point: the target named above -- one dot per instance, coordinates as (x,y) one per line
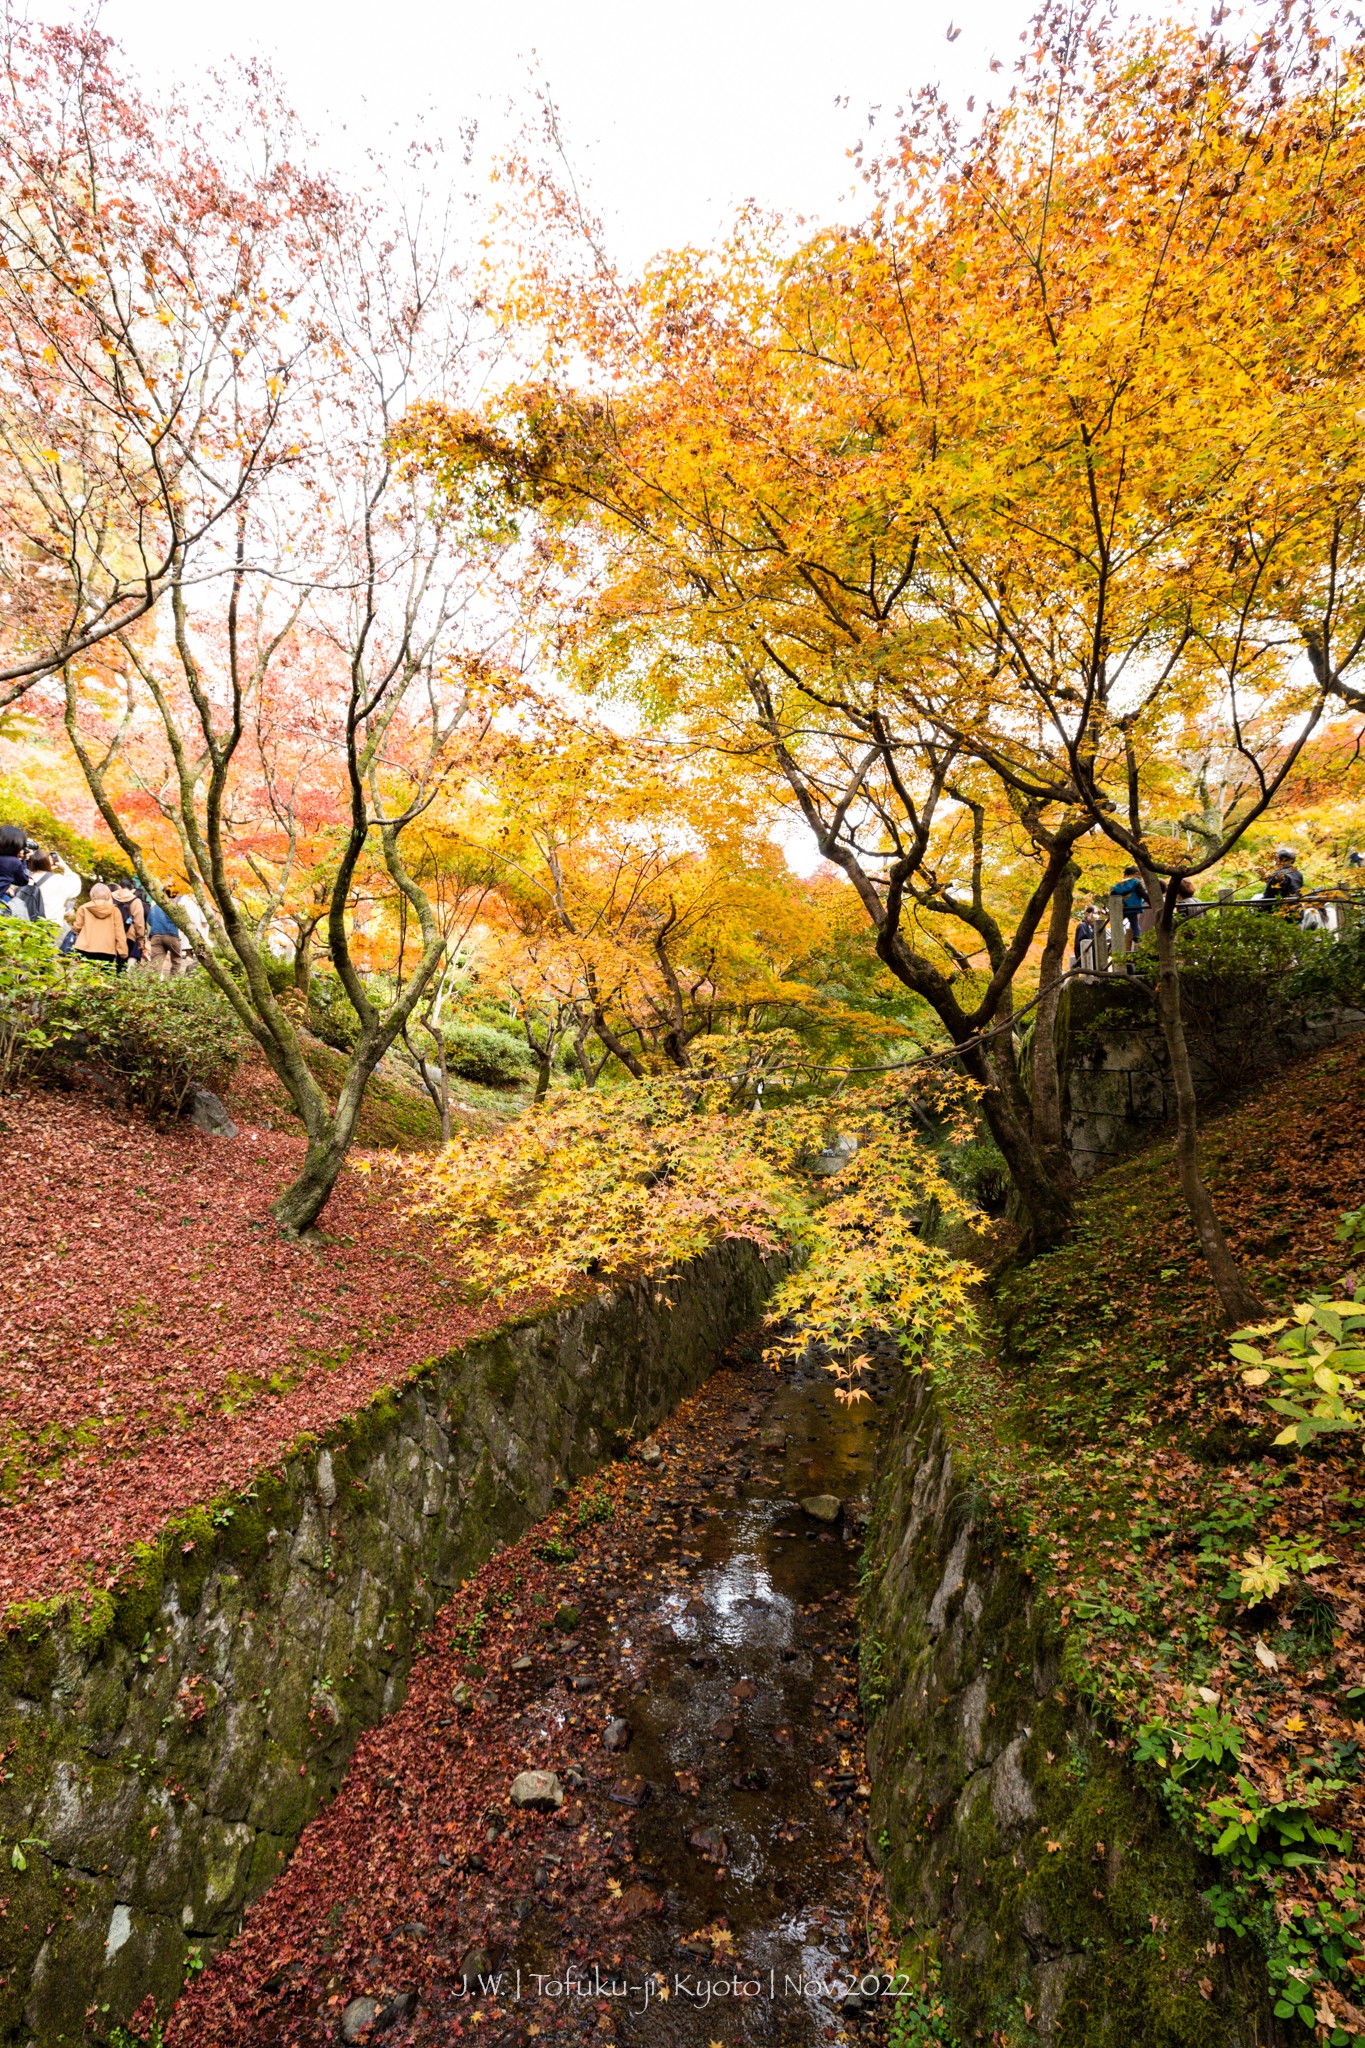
(1102,1094)
(991,1790)
(1131,1053)
(220,1866)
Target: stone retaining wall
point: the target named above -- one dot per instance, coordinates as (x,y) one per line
(157,1766)
(1047,1893)
(1116,1084)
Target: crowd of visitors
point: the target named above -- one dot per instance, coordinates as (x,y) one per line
(114,927)
(1282,890)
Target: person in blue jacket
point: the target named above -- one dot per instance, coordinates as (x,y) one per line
(1134,899)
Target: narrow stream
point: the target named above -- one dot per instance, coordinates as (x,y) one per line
(624,1801)
(739,1806)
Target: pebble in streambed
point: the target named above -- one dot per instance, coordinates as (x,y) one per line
(726,1771)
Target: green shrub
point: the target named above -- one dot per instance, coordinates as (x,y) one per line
(158,1039)
(1240,964)
(332,1015)
(1334,969)
(36,991)
(978,1171)
(1235,945)
(477,1053)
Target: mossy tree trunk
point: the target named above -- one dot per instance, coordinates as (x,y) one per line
(1046,1063)
(1240,1303)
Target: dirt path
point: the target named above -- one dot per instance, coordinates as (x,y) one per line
(688,1674)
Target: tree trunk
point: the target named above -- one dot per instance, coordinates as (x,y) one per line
(544,1063)
(303,963)
(1046,1206)
(586,1067)
(329,1141)
(298,1208)
(1047,1209)
(633,1066)
(1240,1304)
(1047,1082)
(445,1087)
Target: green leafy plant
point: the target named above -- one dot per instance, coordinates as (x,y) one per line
(1199,1746)
(36,991)
(918,2009)
(158,1039)
(477,1053)
(1257,1835)
(1315,1369)
(596,1506)
(468,1635)
(977,1170)
(1350,1229)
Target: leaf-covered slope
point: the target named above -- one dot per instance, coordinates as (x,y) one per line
(1114,1432)
(159,1344)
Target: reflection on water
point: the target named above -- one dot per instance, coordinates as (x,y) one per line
(737,1678)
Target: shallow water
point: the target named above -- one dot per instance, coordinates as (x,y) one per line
(740,1791)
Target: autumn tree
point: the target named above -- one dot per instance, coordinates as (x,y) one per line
(616,870)
(150,259)
(645,906)
(770,605)
(1158,529)
(324,667)
(957,519)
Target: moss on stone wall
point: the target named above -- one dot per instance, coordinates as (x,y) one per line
(160,1752)
(1045,1893)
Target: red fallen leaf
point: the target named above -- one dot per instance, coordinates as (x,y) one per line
(181,1405)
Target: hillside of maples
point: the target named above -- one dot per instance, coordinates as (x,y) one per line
(1114,1430)
(527,776)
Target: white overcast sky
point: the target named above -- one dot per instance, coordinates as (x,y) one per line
(673,115)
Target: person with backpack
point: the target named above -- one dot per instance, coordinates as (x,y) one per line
(14,874)
(165,946)
(53,889)
(134,914)
(1284,883)
(101,936)
(1133,898)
